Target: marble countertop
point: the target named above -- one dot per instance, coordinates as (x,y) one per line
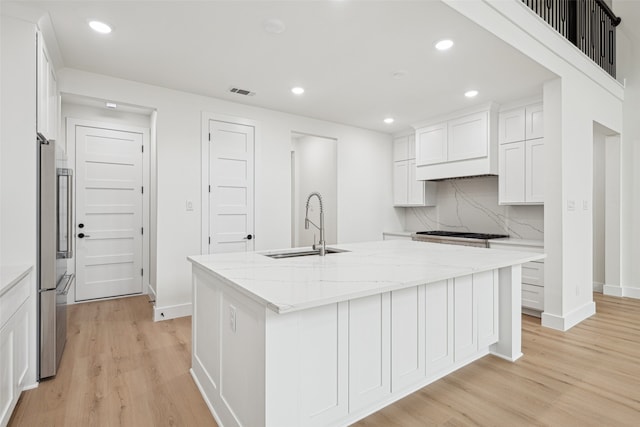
(519,242)
(398,233)
(12,274)
(292,284)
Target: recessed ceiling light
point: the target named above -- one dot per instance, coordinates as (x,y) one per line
(100,27)
(111,105)
(298,90)
(444,44)
(273,26)
(471,93)
(389,120)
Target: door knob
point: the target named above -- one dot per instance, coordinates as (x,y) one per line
(82,235)
(80,225)
(249,237)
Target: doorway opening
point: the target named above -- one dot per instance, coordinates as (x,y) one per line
(114,232)
(314,167)
(606,209)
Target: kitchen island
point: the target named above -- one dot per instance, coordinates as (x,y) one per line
(325,341)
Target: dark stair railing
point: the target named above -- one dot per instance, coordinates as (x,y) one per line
(588,24)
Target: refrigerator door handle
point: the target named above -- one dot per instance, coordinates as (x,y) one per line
(68,174)
(67,285)
(69,215)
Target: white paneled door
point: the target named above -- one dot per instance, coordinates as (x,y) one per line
(108,212)
(231,172)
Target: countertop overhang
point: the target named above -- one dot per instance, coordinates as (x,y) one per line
(292,284)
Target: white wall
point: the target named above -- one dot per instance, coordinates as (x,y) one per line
(19,150)
(628,70)
(582,94)
(364,173)
(316,170)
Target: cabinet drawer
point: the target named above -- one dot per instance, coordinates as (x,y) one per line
(533,273)
(13,299)
(533,296)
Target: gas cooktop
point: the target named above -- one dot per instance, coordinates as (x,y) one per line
(462,234)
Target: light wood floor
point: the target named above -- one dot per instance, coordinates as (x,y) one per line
(121,369)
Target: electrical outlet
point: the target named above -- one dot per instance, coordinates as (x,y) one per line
(232,318)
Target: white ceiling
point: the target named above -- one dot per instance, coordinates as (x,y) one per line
(344,53)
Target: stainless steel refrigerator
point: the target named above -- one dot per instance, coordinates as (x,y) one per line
(55,246)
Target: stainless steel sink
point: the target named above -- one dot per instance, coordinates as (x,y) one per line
(294,253)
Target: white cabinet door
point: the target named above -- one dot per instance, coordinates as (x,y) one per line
(400,187)
(7,381)
(369,350)
(53,103)
(534,122)
(534,191)
(415,190)
(511,182)
(401,148)
(47,93)
(468,137)
(21,350)
(511,126)
(439,326)
(431,144)
(485,287)
(411,146)
(407,337)
(407,191)
(465,332)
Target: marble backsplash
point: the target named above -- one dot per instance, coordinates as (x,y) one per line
(471,204)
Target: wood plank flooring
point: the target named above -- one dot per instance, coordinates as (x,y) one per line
(122,369)
(119,368)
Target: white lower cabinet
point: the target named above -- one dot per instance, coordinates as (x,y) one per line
(7,383)
(14,346)
(439,326)
(533,285)
(407,337)
(369,350)
(532,276)
(334,364)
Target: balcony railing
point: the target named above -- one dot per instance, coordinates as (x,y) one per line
(588,24)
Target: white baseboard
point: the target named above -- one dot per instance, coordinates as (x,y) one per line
(597,287)
(171,312)
(622,291)
(564,323)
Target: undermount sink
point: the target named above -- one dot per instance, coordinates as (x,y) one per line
(294,253)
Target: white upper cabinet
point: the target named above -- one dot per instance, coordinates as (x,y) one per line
(467,137)
(511,184)
(47,93)
(521,153)
(407,190)
(431,144)
(534,121)
(512,126)
(458,145)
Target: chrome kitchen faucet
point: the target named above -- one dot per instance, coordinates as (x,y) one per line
(320,247)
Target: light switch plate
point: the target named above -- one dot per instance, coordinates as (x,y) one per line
(189,205)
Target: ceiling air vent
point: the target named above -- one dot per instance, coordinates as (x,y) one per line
(241,91)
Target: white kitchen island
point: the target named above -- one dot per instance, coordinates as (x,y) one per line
(325,341)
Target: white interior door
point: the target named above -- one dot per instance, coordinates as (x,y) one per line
(231,171)
(108,212)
